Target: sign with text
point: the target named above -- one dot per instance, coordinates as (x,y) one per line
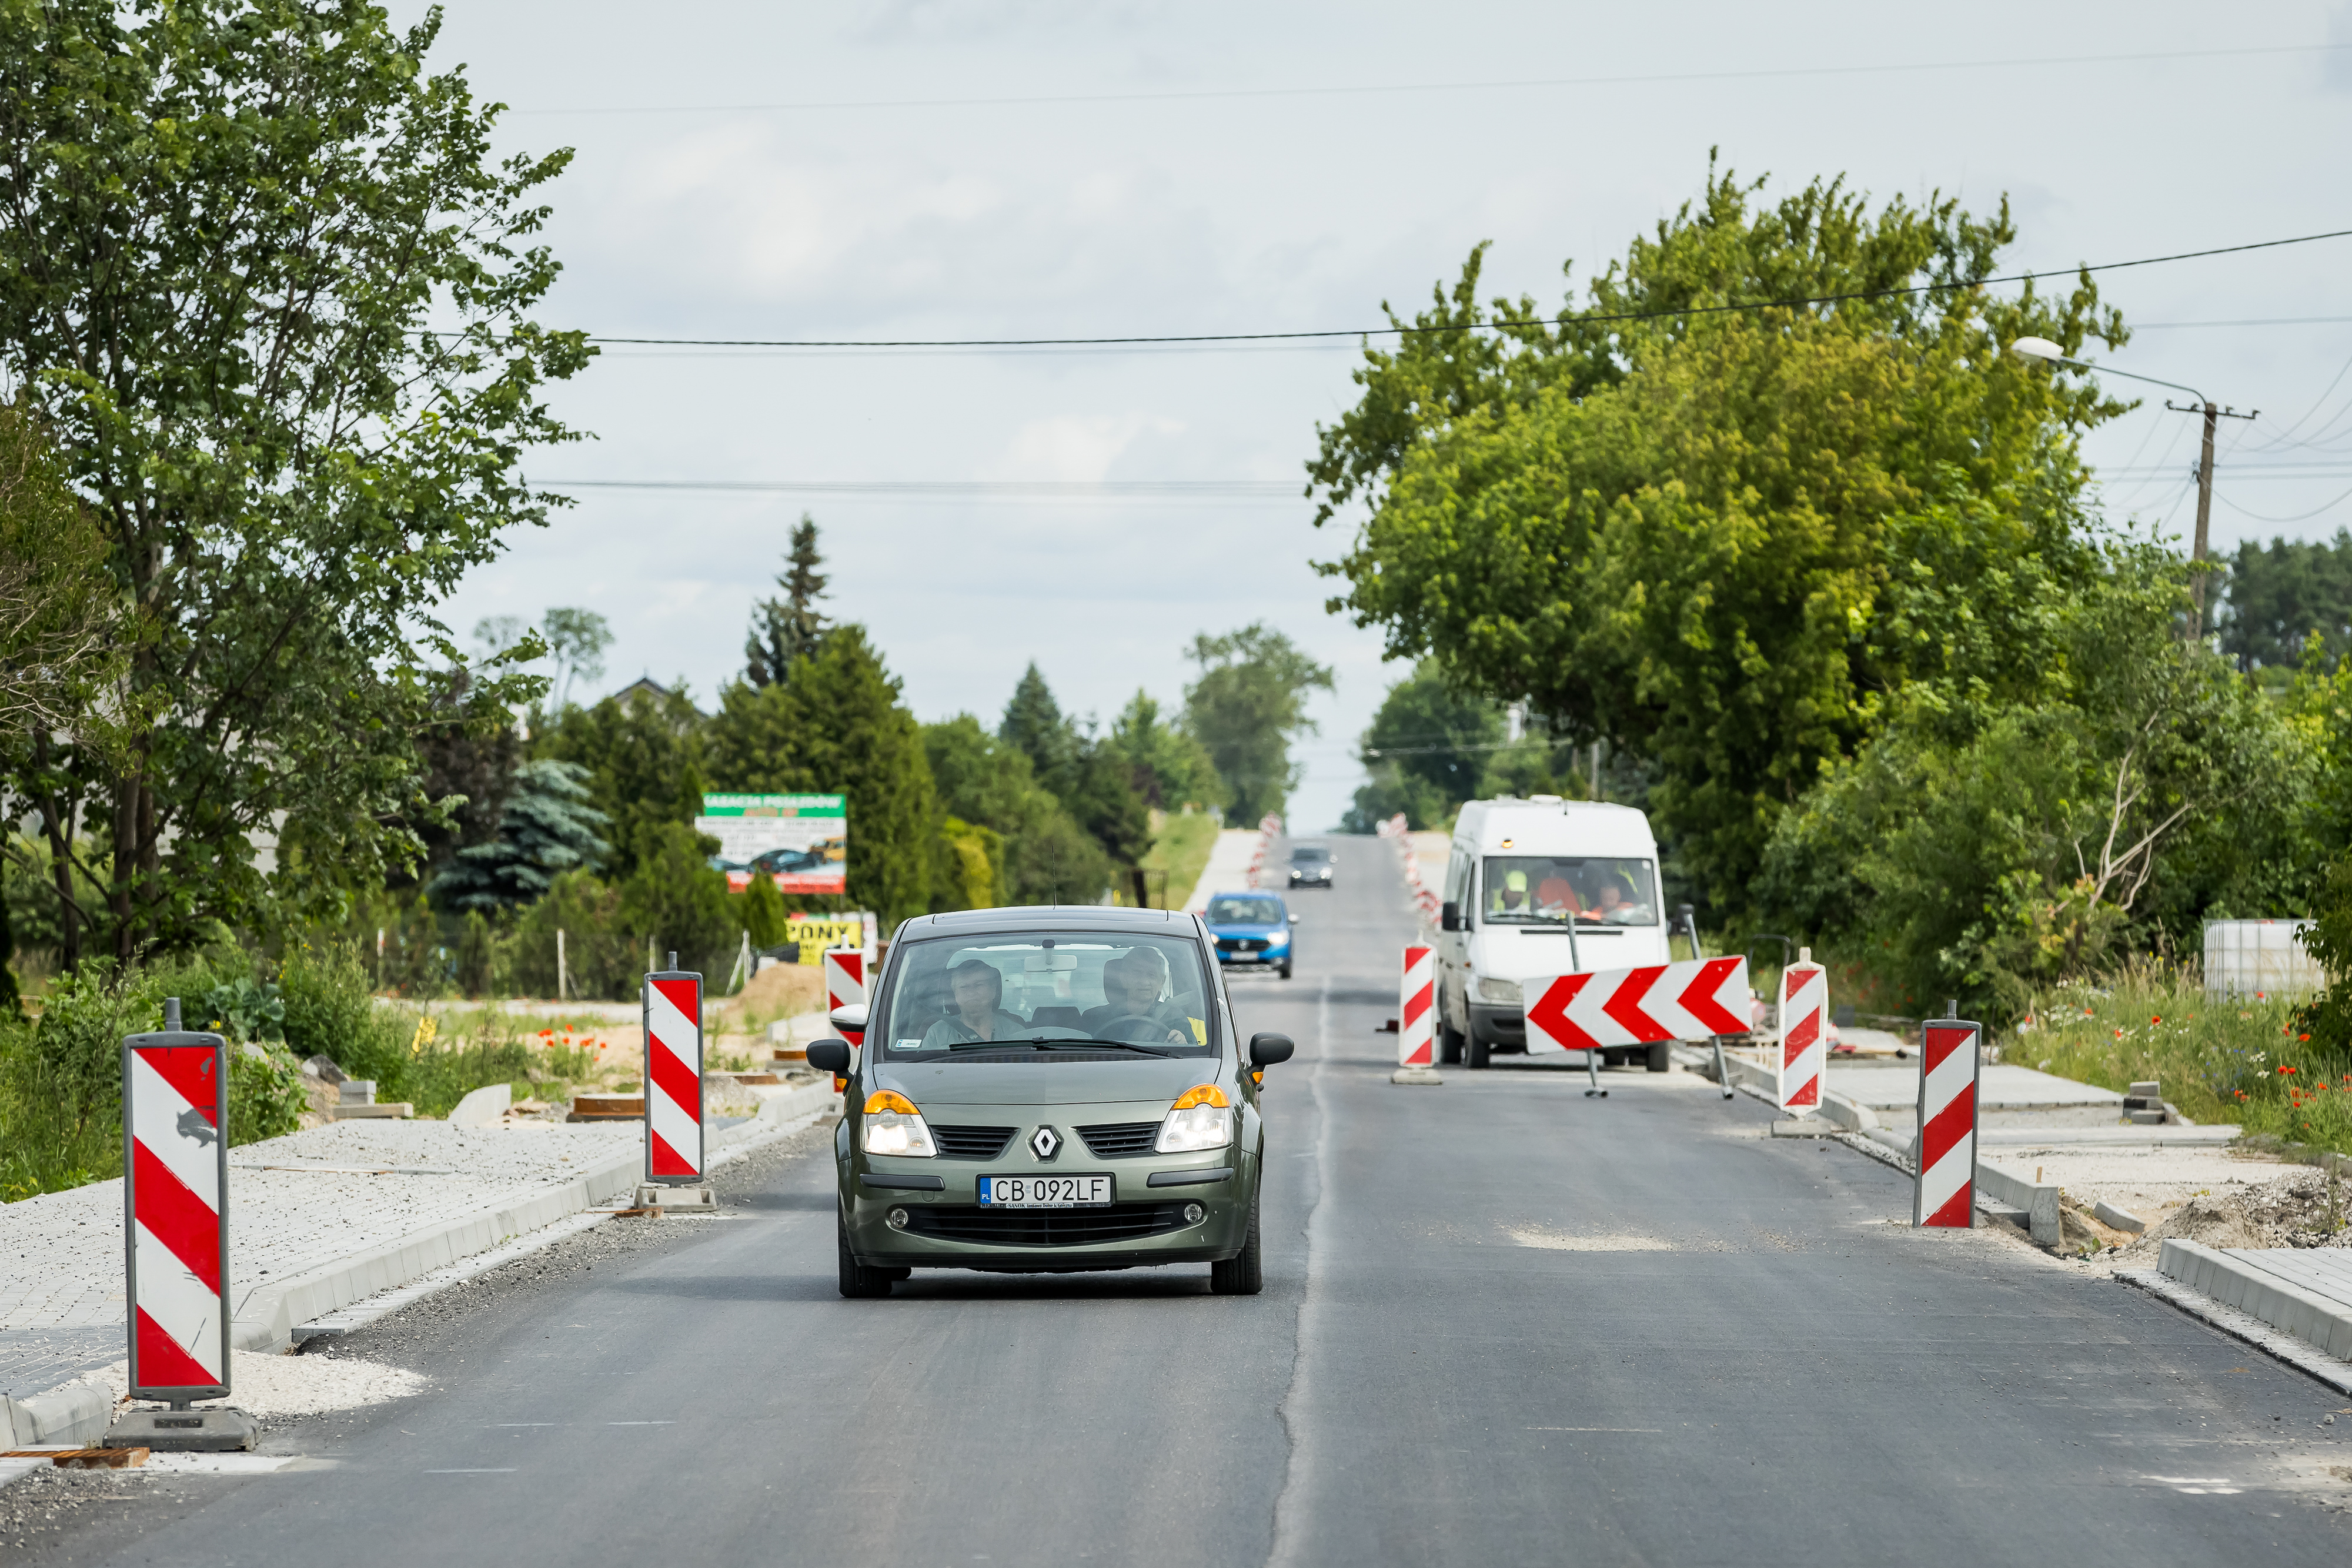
(800,840)
(815,933)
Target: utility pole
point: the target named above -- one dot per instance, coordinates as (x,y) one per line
(2213,414)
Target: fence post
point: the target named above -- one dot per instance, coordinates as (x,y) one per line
(561,976)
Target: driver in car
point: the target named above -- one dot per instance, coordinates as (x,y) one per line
(979,991)
(1132,982)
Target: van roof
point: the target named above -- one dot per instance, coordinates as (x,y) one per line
(1554,827)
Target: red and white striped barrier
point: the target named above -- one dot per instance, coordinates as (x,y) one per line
(1944,1194)
(1417,1009)
(844,984)
(1425,898)
(1804,1034)
(175,1203)
(674,1076)
(1267,827)
(1692,1000)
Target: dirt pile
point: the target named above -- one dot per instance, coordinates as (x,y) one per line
(2291,1211)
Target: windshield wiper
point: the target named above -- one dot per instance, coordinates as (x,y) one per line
(1041,1044)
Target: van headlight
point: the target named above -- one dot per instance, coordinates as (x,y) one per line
(1201,1118)
(894,1127)
(1504,993)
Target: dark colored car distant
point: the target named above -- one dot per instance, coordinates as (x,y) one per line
(1049,1091)
(1252,931)
(1310,867)
(774,862)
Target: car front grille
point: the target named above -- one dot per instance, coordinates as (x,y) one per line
(972,1142)
(1243,944)
(1120,1140)
(1044,1227)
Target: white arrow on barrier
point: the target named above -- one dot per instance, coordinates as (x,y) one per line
(1692,1000)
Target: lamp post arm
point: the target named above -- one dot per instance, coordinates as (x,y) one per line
(2132,376)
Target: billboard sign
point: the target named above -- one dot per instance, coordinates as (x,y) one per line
(801,840)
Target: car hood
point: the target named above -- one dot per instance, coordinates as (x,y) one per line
(1046,1082)
(1247,930)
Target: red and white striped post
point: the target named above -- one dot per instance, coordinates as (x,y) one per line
(1417,1018)
(1804,1034)
(674,1076)
(175,1212)
(1945,1193)
(844,984)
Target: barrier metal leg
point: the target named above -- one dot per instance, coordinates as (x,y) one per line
(1592,1072)
(1722,1068)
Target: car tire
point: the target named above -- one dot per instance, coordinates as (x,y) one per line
(1243,1273)
(1449,1044)
(1285,971)
(858,1282)
(1473,1053)
(1661,1057)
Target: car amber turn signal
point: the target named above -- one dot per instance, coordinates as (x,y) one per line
(1205,1095)
(893,1126)
(883,1100)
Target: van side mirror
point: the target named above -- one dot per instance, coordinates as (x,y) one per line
(829,1056)
(1449,916)
(1266,1049)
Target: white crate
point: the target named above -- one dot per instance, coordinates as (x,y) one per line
(2247,958)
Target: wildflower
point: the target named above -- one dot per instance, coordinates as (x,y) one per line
(2156,1020)
(2303,1037)
(2285,1069)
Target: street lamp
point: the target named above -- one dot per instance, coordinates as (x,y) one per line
(2043,348)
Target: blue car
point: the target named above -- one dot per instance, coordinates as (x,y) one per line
(1252,931)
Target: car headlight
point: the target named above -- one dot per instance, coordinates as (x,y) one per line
(893,1126)
(1506,992)
(1201,1118)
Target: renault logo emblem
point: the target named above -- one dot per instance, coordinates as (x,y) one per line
(1045,1143)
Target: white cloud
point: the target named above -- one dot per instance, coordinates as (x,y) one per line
(1075,448)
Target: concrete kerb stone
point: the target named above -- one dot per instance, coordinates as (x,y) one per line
(2038,1200)
(76,1414)
(2243,1326)
(2318,1320)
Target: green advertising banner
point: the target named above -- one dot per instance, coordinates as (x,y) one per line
(800,840)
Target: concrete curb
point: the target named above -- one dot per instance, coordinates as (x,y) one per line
(2243,1326)
(2322,1323)
(2038,1199)
(76,1413)
(269,1315)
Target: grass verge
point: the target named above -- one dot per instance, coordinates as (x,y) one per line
(1182,849)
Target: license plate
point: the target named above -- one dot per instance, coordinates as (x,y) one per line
(1045,1192)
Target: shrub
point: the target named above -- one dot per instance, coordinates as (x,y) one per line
(266,1094)
(61,1081)
(331,1011)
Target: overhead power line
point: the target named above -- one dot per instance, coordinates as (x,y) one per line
(1199,95)
(1563,318)
(1015,489)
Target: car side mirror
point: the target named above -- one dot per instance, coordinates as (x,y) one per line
(1293,920)
(1267,1050)
(1449,916)
(830,1055)
(852,1016)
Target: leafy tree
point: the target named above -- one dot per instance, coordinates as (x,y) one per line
(974,869)
(1168,764)
(469,760)
(264,276)
(678,902)
(1047,858)
(1672,531)
(1247,706)
(2281,593)
(549,827)
(835,724)
(644,755)
(764,913)
(577,640)
(1428,750)
(789,628)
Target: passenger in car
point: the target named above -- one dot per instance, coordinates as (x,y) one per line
(1132,982)
(979,1014)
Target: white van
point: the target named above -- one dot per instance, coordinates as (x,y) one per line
(1536,888)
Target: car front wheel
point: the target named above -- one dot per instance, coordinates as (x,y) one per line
(1243,1273)
(858,1282)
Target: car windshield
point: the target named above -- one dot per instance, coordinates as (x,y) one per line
(1309,857)
(1550,889)
(1229,910)
(1024,994)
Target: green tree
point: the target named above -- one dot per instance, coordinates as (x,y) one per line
(577,638)
(549,827)
(835,724)
(2278,595)
(1427,750)
(789,628)
(676,902)
(1247,706)
(643,754)
(1169,767)
(1047,858)
(1665,524)
(269,282)
(1033,725)
(764,913)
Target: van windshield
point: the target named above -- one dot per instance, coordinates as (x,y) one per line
(1551,890)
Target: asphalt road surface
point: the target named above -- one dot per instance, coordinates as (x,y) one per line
(1503,1324)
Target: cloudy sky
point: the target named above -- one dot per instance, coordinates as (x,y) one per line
(789,170)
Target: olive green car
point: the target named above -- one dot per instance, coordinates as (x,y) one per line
(1049,1090)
